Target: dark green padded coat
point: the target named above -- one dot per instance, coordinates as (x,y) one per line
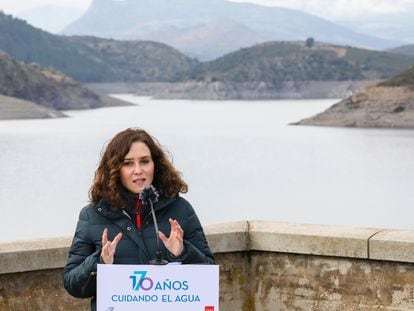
(135,247)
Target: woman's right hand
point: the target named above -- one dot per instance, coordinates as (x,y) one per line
(108,247)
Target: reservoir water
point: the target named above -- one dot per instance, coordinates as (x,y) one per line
(241,159)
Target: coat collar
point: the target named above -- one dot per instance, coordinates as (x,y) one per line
(105,209)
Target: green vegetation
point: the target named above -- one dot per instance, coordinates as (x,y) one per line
(405,49)
(29,44)
(142,61)
(404,79)
(45,87)
(276,62)
(309,42)
(89,59)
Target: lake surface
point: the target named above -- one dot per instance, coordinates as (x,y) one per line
(241,159)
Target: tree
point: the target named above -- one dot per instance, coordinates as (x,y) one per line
(309,42)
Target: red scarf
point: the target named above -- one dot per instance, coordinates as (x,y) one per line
(138,206)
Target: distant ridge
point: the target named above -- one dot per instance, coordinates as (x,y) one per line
(284,70)
(89,59)
(272,62)
(151,19)
(404,49)
(263,71)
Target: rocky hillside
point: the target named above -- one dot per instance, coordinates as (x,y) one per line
(404,49)
(405,79)
(276,70)
(264,71)
(388,105)
(138,61)
(273,62)
(47,87)
(89,59)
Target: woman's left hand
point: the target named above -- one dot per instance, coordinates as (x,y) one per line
(174,243)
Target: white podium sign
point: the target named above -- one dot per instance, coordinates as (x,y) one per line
(158,288)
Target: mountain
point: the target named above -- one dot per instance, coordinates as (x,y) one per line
(206,41)
(146,19)
(50,18)
(262,71)
(284,70)
(47,87)
(273,62)
(89,59)
(390,25)
(389,104)
(404,49)
(142,61)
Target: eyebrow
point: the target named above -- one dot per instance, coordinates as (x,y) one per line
(143,157)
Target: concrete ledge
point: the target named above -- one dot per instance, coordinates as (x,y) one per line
(392,245)
(310,239)
(228,237)
(263,266)
(324,240)
(39,254)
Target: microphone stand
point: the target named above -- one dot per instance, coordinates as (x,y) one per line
(158,259)
(150,195)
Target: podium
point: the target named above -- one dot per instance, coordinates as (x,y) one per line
(157,288)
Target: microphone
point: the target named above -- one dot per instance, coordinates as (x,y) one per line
(149,195)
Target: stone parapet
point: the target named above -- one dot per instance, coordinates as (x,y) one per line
(392,245)
(30,255)
(263,266)
(228,237)
(322,240)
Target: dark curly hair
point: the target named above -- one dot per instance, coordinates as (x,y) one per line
(107,183)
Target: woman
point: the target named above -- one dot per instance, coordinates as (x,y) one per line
(116,228)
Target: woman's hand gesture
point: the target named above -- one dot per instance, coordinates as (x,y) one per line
(174,243)
(109,247)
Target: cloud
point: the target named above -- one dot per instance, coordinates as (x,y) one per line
(342,9)
(334,10)
(14,6)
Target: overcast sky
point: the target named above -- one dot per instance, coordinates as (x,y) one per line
(342,9)
(329,9)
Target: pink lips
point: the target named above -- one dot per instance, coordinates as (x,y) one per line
(139,181)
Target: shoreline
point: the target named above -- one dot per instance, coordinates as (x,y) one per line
(200,90)
(375,107)
(12,108)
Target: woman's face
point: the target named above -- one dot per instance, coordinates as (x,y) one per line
(137,171)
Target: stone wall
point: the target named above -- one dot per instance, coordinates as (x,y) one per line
(263,266)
